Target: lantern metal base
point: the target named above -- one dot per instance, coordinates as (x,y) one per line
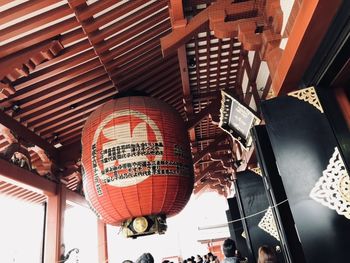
(144,225)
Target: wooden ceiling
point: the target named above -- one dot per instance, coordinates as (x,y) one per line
(60,60)
(8,189)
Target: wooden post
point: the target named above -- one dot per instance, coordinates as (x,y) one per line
(56,205)
(310,26)
(102,242)
(344,104)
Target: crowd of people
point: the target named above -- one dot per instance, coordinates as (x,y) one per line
(265,255)
(207,258)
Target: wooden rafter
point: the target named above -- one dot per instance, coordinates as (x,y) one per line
(80,8)
(37,37)
(36,21)
(149,35)
(24,9)
(22,64)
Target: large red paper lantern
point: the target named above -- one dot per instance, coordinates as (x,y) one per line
(136,160)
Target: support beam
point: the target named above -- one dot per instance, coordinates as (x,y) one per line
(199,188)
(344,103)
(214,15)
(102,241)
(179,37)
(205,172)
(252,73)
(268,92)
(13,174)
(76,199)
(55,208)
(70,153)
(178,21)
(187,98)
(304,39)
(213,107)
(210,148)
(246,155)
(26,134)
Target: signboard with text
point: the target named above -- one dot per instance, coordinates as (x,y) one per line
(237,119)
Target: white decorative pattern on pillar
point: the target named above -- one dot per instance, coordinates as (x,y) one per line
(268,224)
(333,188)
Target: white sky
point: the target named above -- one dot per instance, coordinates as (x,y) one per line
(21,226)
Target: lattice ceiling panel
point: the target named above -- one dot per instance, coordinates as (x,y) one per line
(213,65)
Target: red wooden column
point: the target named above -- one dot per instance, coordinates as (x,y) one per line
(56,205)
(102,242)
(344,104)
(310,26)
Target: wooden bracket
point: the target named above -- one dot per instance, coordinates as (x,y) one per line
(22,63)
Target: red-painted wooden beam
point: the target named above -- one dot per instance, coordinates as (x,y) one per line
(212,108)
(310,26)
(13,174)
(210,148)
(28,135)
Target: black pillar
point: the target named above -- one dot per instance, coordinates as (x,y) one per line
(313,173)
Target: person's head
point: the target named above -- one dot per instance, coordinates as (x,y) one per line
(229,248)
(145,258)
(127,261)
(266,255)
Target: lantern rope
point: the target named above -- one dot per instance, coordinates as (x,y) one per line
(242,218)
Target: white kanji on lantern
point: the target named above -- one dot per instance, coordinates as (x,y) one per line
(128,154)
